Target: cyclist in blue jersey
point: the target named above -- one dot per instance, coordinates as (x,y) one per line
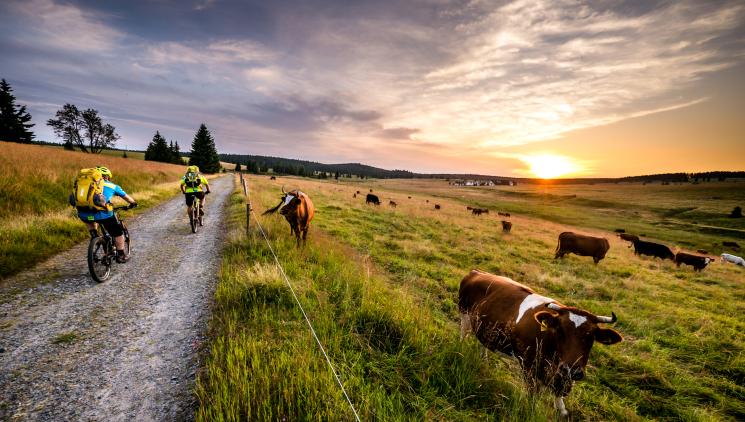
(107,218)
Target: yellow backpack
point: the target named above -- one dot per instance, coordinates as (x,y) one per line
(89,191)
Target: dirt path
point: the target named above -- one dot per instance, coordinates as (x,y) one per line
(123,350)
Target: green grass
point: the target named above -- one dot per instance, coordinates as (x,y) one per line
(65,338)
(381,287)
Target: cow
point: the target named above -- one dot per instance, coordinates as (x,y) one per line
(620,231)
(469,208)
(354,195)
(506,226)
(732,245)
(358,192)
(392,204)
(272,178)
(409,197)
(582,245)
(551,341)
(478,211)
(298,211)
(733,259)
(503,214)
(372,199)
(628,237)
(696,261)
(702,251)
(370,190)
(437,206)
(642,247)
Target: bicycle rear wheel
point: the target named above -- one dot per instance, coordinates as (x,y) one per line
(99,263)
(193,218)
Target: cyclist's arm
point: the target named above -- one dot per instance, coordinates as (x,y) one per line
(206,184)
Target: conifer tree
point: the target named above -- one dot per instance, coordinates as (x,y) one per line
(157,149)
(203,151)
(237,167)
(175,153)
(14,120)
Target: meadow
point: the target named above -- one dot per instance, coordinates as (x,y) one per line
(35,219)
(380,286)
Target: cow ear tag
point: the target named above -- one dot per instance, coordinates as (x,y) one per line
(544,326)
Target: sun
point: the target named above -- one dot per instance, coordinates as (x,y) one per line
(548,166)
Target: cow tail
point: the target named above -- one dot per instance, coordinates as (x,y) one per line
(272,210)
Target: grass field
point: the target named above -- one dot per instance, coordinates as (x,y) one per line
(35,219)
(380,285)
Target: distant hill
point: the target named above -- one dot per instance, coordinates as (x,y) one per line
(290,166)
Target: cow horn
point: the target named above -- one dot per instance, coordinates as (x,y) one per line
(554,306)
(283,189)
(610,319)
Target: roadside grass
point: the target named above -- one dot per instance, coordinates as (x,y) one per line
(381,287)
(35,219)
(65,338)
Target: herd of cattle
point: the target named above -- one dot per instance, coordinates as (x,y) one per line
(551,341)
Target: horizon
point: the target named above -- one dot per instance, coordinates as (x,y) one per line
(512,88)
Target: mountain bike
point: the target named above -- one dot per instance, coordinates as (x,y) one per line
(196,219)
(102,250)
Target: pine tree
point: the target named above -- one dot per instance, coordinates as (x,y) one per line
(157,149)
(237,167)
(203,151)
(175,153)
(14,120)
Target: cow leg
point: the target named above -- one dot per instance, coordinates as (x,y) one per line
(559,401)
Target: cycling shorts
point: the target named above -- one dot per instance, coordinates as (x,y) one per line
(112,226)
(190,197)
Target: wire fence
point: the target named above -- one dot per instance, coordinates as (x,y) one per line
(249,211)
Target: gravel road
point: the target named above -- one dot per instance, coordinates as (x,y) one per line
(123,350)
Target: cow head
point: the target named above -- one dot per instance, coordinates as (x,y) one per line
(290,202)
(567,335)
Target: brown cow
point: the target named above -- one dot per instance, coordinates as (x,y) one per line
(506,226)
(392,204)
(551,341)
(437,206)
(582,245)
(696,261)
(298,211)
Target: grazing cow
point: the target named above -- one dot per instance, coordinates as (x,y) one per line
(620,231)
(551,341)
(582,245)
(506,226)
(469,208)
(409,197)
(503,214)
(642,247)
(437,206)
(298,211)
(697,262)
(702,251)
(732,245)
(393,204)
(358,192)
(628,237)
(733,259)
(478,211)
(370,190)
(272,178)
(372,199)
(354,195)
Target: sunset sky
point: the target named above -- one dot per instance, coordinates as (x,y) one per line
(604,88)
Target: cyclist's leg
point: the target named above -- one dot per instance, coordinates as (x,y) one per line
(189,196)
(201,197)
(115,230)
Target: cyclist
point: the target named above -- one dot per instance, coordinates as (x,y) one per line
(191,186)
(107,218)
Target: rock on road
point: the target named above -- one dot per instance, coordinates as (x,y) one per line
(123,350)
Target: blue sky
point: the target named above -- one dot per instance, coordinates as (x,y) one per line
(434,86)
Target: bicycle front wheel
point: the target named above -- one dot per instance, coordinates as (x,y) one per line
(99,263)
(127,240)
(193,218)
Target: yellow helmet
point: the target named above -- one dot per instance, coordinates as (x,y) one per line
(104,171)
(192,169)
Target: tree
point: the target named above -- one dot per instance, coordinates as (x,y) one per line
(124,154)
(175,152)
(736,213)
(237,167)
(96,135)
(14,120)
(203,151)
(157,149)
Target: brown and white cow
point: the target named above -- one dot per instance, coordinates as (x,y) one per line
(582,245)
(298,211)
(551,341)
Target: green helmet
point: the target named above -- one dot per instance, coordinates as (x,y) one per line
(104,171)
